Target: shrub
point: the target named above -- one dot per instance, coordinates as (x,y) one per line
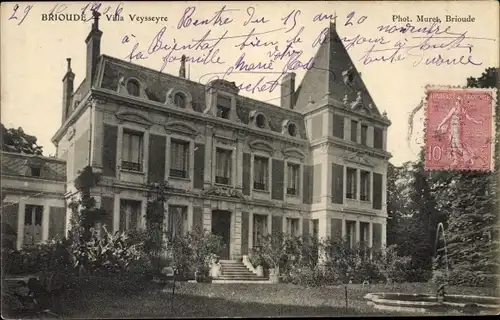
(257,258)
(473,279)
(108,253)
(304,275)
(391,265)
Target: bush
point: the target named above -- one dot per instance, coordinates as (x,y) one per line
(257,258)
(304,275)
(109,253)
(473,279)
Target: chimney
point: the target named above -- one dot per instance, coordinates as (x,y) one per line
(67,91)
(288,90)
(93,42)
(182,69)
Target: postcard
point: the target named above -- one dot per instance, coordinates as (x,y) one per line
(250,158)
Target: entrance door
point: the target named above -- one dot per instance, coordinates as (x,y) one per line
(32,224)
(221,226)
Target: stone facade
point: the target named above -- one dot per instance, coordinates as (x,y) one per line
(317,164)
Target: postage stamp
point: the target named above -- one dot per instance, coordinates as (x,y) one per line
(459,128)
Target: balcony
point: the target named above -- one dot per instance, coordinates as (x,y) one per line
(132,166)
(176,173)
(350,195)
(291,191)
(259,185)
(364,197)
(222,180)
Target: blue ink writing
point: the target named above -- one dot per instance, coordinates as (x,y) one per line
(293,16)
(359,40)
(321,16)
(254,43)
(396,56)
(241,65)
(251,13)
(58,8)
(23,15)
(350,17)
(217,19)
(296,38)
(96,6)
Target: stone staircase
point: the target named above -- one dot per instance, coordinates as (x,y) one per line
(236,272)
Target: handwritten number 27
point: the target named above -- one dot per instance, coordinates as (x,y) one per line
(350,17)
(14,15)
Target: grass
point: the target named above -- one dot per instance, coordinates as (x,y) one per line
(126,298)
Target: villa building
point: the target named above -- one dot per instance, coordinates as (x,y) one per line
(241,168)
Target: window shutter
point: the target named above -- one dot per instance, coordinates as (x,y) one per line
(57,222)
(156,161)
(244,232)
(197,218)
(337,183)
(338,126)
(109,150)
(307,185)
(277,179)
(82,150)
(377,191)
(336,229)
(246,174)
(277,224)
(10,217)
(199,166)
(305,227)
(317,127)
(378,138)
(107,203)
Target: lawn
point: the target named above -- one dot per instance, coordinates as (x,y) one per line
(112,298)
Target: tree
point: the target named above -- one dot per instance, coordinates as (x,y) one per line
(15,140)
(472,233)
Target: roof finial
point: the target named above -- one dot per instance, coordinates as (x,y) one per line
(182,69)
(95,15)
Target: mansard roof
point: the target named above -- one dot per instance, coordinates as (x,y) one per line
(157,85)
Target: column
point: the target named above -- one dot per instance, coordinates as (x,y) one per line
(370,234)
(250,231)
(190,216)
(116,214)
(20,225)
(236,235)
(208,156)
(207,217)
(191,163)
(119,144)
(97,136)
(384,235)
(269,223)
(167,159)
(344,228)
(357,232)
(301,226)
(145,157)
(239,164)
(358,184)
(284,225)
(45,222)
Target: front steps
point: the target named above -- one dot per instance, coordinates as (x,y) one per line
(236,272)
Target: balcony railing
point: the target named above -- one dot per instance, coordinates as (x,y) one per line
(127,165)
(259,185)
(222,180)
(176,173)
(350,195)
(291,191)
(364,197)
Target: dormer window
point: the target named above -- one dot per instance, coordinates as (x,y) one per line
(133,87)
(223,106)
(260,121)
(35,171)
(292,129)
(180,100)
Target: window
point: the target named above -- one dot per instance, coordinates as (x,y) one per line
(132,151)
(364,136)
(292,227)
(260,173)
(259,229)
(354,130)
(35,171)
(292,129)
(130,215)
(378,138)
(177,221)
(365,186)
(32,224)
(351,234)
(351,184)
(338,126)
(179,159)
(223,170)
(260,121)
(180,100)
(293,173)
(133,87)
(223,106)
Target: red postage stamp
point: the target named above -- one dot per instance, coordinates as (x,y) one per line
(459,129)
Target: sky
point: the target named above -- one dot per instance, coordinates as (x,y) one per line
(396,66)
